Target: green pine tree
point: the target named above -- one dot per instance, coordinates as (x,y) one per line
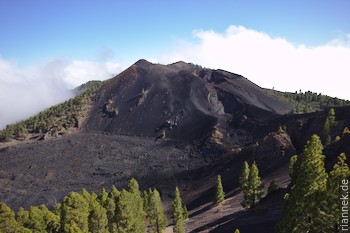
(255,185)
(110,208)
(243,178)
(330,204)
(302,210)
(219,195)
(111,202)
(8,223)
(179,226)
(98,221)
(129,214)
(140,216)
(124,212)
(75,209)
(39,219)
(329,124)
(154,210)
(102,198)
(331,118)
(326,128)
(252,187)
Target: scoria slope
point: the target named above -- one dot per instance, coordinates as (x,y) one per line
(185,100)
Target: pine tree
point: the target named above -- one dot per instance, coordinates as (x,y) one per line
(329,124)
(252,186)
(179,226)
(330,205)
(111,202)
(8,223)
(74,208)
(102,198)
(52,220)
(331,117)
(301,212)
(293,169)
(124,212)
(140,216)
(129,214)
(155,213)
(237,231)
(243,178)
(219,195)
(110,208)
(98,220)
(326,128)
(39,219)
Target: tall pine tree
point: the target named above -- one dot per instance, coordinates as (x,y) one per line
(219,195)
(179,226)
(155,213)
(302,211)
(331,204)
(129,215)
(8,223)
(251,185)
(75,209)
(243,178)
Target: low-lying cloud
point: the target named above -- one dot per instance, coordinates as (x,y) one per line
(26,91)
(271,62)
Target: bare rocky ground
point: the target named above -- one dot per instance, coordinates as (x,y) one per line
(44,172)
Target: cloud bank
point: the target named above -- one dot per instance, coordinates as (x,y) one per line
(25,92)
(271,62)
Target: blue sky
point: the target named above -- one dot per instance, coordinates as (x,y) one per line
(49,47)
(33,31)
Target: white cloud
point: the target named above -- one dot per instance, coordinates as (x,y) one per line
(271,62)
(25,92)
(79,72)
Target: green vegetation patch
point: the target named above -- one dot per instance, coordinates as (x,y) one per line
(308,101)
(54,120)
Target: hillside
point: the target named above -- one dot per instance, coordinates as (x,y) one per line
(167,126)
(308,101)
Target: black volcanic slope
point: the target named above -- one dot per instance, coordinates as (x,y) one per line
(147,95)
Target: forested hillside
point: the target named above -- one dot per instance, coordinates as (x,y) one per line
(305,102)
(55,120)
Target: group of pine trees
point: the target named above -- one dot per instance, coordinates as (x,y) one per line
(251,185)
(304,102)
(55,119)
(312,205)
(125,211)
